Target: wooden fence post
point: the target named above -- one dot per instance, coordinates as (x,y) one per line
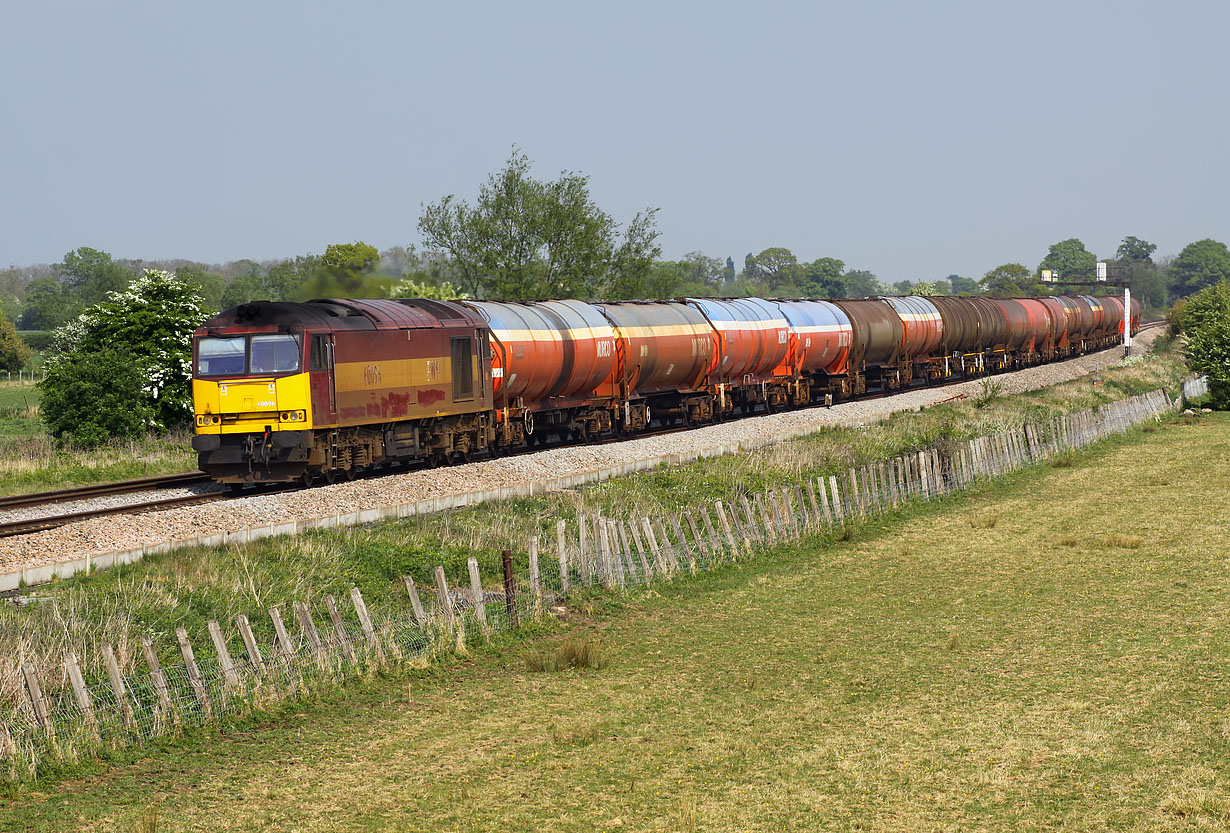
(82,695)
(194,673)
(476,596)
(535,579)
(837,510)
(562,551)
(249,643)
(658,563)
(156,676)
(340,634)
(583,554)
(683,542)
(646,569)
(701,547)
(619,532)
(279,629)
(308,627)
(37,701)
(510,590)
(117,685)
(711,534)
(445,601)
(752,535)
(720,508)
(416,604)
(668,549)
(766,522)
(224,655)
(365,622)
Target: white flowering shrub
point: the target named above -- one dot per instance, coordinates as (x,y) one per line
(148,325)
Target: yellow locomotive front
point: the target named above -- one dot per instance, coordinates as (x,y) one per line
(251,396)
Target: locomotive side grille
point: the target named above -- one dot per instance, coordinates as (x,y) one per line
(463,372)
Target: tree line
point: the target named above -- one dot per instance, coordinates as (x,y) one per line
(525,238)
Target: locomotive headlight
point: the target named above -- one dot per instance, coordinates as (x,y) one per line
(293,416)
(207,419)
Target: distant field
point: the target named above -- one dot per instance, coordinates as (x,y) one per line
(1047,653)
(31,462)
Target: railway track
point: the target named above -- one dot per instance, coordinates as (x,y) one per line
(62,496)
(59,497)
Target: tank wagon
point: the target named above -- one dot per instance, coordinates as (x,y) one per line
(324,389)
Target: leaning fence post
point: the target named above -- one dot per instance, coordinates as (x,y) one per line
(35,692)
(476,596)
(117,685)
(839,514)
(442,597)
(701,548)
(646,569)
(420,616)
(310,633)
(279,628)
(725,522)
(194,673)
(82,695)
(583,555)
(683,542)
(652,542)
(625,570)
(249,643)
(340,634)
(224,654)
(668,548)
(155,674)
(365,622)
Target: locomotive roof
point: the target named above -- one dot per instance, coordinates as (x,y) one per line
(347,314)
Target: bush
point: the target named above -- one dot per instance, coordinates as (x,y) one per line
(150,322)
(1206,323)
(1189,314)
(14,353)
(95,397)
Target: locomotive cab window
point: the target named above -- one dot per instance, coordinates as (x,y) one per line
(275,354)
(317,359)
(220,356)
(463,369)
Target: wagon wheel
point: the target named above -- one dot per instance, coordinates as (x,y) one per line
(305,479)
(460,457)
(350,473)
(329,475)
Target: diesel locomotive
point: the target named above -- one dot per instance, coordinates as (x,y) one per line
(324,389)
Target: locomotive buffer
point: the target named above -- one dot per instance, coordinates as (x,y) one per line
(1103,278)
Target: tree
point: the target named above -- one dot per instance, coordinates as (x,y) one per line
(1200,264)
(903,288)
(1135,250)
(1205,321)
(92,274)
(209,285)
(48,305)
(287,280)
(859,283)
(525,238)
(774,270)
(408,288)
(1009,280)
(698,268)
(14,353)
(962,286)
(931,288)
(98,395)
(149,323)
(1070,259)
(822,278)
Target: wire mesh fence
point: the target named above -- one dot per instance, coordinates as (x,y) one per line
(235,672)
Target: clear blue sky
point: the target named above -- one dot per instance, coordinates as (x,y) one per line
(914,139)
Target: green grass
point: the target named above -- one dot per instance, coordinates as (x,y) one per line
(188,587)
(30,460)
(933,672)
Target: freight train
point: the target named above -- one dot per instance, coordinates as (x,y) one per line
(325,389)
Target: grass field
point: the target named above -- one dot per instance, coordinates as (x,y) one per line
(188,587)
(30,461)
(1048,653)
